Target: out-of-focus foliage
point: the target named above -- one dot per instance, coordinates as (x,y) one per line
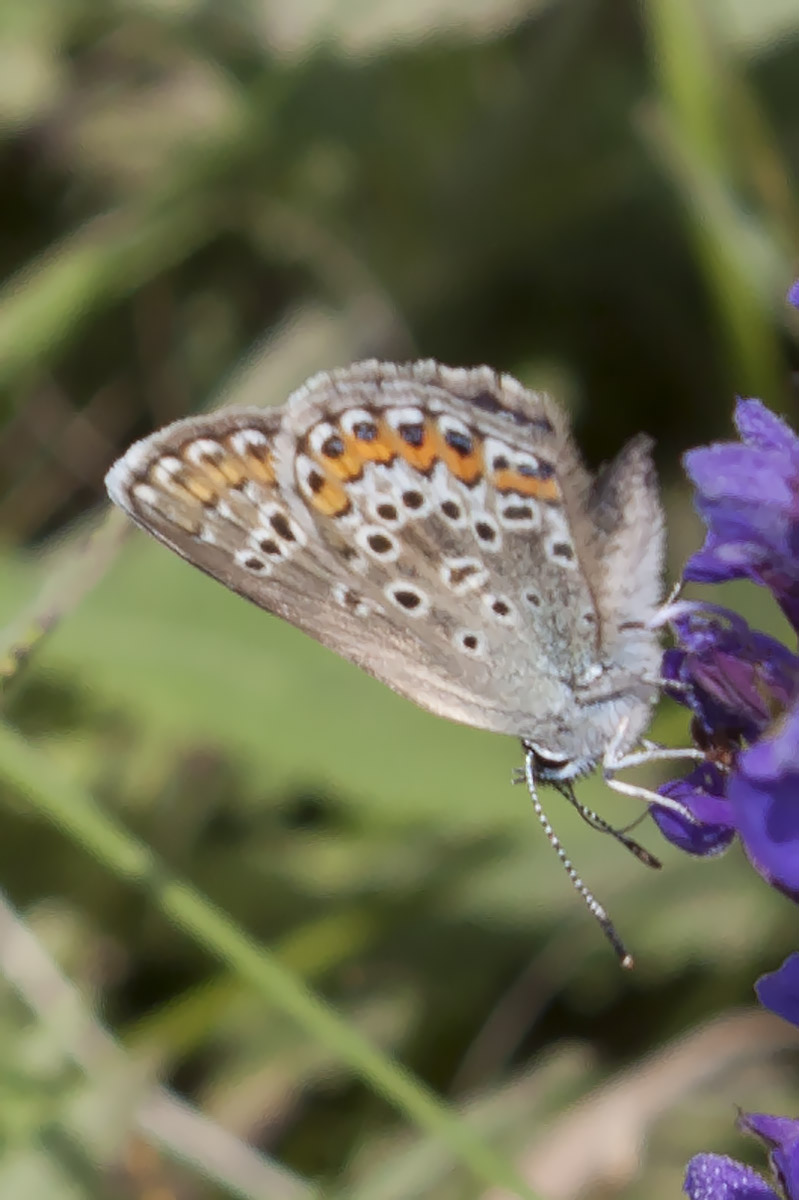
(202,203)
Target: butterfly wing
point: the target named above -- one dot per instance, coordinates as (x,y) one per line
(419,520)
(207,488)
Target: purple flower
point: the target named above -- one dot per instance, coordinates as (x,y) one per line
(716,1177)
(741,686)
(743,690)
(735,680)
(747,493)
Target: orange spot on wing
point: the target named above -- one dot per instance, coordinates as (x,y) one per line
(345,466)
(508,480)
(219,472)
(380,449)
(232,470)
(349,464)
(421,457)
(256,463)
(173,486)
(466,467)
(198,487)
(331,500)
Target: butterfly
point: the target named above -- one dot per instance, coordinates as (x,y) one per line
(436,526)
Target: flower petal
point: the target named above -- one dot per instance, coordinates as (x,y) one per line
(745,474)
(747,493)
(781,1135)
(759,426)
(702,793)
(764,800)
(779,990)
(735,679)
(716,1177)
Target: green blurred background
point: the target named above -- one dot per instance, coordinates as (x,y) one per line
(203,203)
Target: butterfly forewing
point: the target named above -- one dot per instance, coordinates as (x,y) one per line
(207,488)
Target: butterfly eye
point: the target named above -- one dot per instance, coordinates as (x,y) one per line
(552,768)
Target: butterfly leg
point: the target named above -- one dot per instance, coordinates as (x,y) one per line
(648,796)
(654,753)
(599,823)
(614,760)
(673,596)
(668,685)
